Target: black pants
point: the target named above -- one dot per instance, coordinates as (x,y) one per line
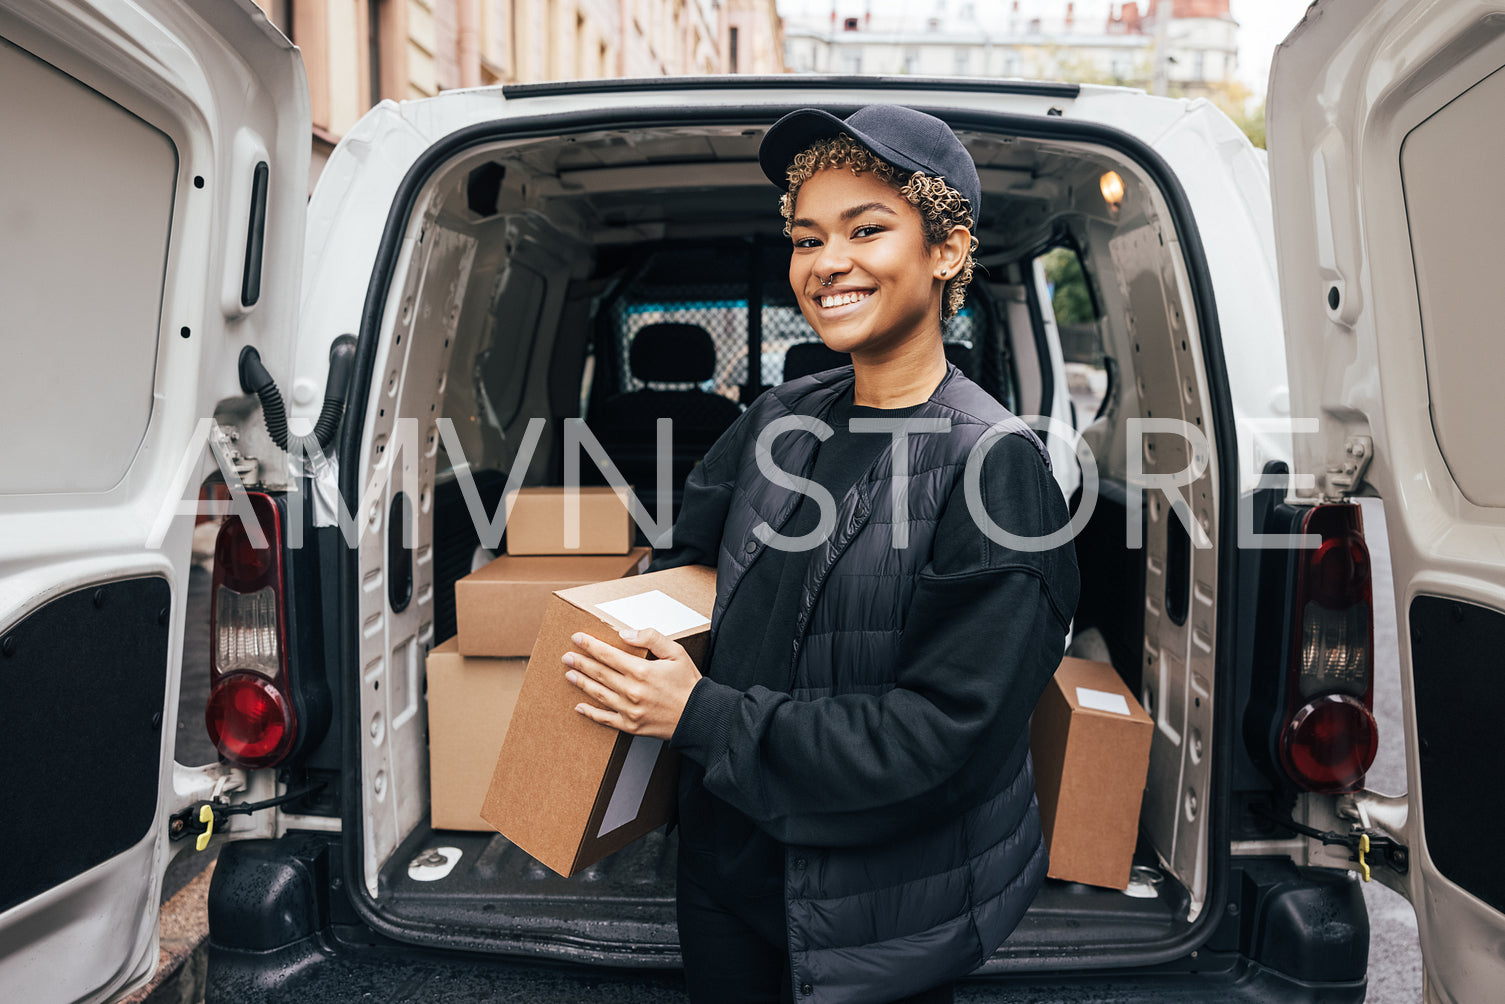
(736,952)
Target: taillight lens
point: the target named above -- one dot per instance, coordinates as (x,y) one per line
(1330,737)
(249,720)
(1330,743)
(247,637)
(249,716)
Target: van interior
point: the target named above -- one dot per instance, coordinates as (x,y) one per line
(623,274)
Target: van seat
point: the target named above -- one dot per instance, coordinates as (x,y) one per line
(804,358)
(682,356)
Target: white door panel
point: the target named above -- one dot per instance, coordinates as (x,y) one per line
(1385,149)
(129,271)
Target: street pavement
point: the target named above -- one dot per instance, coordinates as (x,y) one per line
(193,745)
(1394,952)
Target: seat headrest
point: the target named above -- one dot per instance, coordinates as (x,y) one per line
(672,353)
(804,358)
(961,355)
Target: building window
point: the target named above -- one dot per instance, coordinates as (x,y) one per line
(1010,65)
(963,62)
(851,62)
(731,52)
(911,60)
(850,24)
(1199,66)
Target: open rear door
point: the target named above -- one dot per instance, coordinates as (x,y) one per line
(1387,154)
(155,163)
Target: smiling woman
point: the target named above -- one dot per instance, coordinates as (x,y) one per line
(859,739)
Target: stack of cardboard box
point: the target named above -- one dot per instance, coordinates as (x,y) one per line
(507,749)
(474,679)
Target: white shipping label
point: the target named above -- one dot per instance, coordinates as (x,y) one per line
(1102,700)
(632,784)
(654,609)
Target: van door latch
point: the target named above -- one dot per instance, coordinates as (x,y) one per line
(1363,842)
(203,818)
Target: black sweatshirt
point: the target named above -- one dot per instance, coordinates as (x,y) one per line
(860,768)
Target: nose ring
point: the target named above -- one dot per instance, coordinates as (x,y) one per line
(828,280)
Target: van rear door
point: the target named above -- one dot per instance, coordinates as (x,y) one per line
(1385,154)
(155,158)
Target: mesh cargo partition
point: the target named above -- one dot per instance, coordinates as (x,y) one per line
(716,287)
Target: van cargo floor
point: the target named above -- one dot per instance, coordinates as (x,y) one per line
(622,908)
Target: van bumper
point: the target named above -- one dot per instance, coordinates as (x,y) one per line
(281,928)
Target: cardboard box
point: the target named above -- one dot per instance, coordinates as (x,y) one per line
(499,608)
(1090,741)
(470,703)
(536,521)
(568,790)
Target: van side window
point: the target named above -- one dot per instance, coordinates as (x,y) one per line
(1088,369)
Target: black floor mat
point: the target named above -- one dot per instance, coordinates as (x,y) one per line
(625,903)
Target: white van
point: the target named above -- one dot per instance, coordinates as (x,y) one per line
(495,253)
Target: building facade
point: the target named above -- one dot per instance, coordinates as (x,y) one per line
(359,52)
(1090,40)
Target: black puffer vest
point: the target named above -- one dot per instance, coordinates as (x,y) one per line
(877,922)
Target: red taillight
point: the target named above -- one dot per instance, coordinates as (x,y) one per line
(249,720)
(1330,737)
(1330,743)
(249,716)
(246,566)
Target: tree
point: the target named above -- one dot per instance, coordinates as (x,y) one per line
(1068,287)
(1235,101)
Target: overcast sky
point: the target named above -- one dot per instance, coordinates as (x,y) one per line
(1262,23)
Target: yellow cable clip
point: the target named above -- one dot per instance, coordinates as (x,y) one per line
(1363,850)
(206,816)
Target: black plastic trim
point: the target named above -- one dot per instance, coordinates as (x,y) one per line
(1042,127)
(786,82)
(250,283)
(308,685)
(83,681)
(1455,660)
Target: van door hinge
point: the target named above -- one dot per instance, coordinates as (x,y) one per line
(1342,479)
(224,440)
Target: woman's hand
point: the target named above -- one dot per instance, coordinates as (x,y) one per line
(642,697)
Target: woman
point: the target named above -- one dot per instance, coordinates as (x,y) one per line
(856,807)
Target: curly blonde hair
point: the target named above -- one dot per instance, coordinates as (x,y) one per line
(941,207)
